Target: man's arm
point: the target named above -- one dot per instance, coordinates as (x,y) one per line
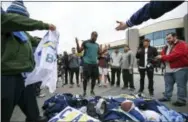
(79,49)
(152,10)
(14,22)
(175,54)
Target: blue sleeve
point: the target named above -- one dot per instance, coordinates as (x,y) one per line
(152,10)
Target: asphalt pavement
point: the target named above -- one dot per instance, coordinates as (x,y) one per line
(18,116)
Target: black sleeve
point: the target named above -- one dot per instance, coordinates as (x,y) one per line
(155,52)
(152,10)
(138,54)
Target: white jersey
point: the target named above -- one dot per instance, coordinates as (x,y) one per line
(46,62)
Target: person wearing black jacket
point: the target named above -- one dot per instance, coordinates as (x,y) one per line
(66,66)
(145,55)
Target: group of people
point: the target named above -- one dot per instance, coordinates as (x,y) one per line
(95,63)
(17,58)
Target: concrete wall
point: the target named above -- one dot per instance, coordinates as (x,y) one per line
(185,19)
(133,39)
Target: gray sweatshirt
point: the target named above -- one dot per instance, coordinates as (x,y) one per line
(73,61)
(127,61)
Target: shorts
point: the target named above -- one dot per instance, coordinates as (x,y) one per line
(81,69)
(103,71)
(90,71)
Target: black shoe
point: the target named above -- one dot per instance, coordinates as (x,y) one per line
(39,119)
(179,104)
(42,119)
(124,88)
(164,99)
(92,93)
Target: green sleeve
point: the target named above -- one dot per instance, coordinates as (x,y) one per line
(14,22)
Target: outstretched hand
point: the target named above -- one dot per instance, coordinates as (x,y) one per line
(121,26)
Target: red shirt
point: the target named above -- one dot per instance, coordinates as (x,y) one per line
(178,57)
(103,62)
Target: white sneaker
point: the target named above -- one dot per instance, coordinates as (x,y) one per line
(42,95)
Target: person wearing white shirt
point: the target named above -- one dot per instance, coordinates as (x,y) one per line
(145,55)
(116,58)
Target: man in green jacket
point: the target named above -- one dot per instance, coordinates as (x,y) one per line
(17,58)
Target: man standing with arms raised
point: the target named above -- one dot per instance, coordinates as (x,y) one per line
(90,67)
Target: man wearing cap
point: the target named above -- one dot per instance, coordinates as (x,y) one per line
(145,55)
(17,58)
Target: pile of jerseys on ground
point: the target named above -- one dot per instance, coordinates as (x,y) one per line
(108,109)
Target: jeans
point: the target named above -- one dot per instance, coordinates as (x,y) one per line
(180,77)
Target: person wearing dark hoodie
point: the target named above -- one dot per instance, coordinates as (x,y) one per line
(16,59)
(66,66)
(151,10)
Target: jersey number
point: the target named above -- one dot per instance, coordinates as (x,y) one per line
(50,58)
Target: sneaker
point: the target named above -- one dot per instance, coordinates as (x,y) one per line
(132,89)
(179,104)
(41,95)
(78,85)
(100,85)
(92,93)
(164,99)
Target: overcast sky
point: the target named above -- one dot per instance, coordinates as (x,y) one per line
(79,19)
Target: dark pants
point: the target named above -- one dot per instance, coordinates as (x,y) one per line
(90,71)
(127,78)
(13,92)
(150,73)
(108,77)
(66,75)
(72,72)
(37,88)
(116,71)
